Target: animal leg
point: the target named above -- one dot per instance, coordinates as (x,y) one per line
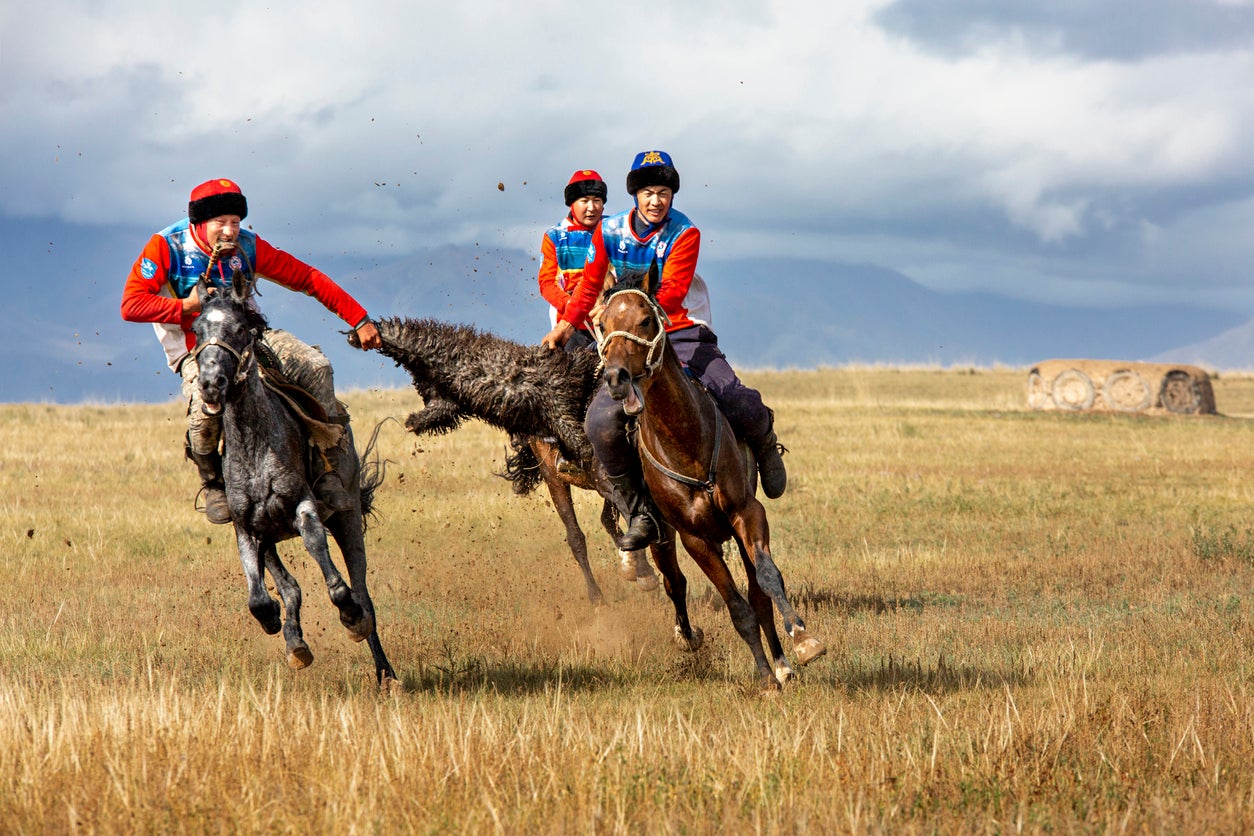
(632,566)
(559,491)
(264,608)
(314,536)
(437,416)
(298,653)
(753,532)
(688,638)
(765,611)
(347,529)
(710,558)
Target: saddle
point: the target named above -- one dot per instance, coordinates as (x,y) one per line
(325,431)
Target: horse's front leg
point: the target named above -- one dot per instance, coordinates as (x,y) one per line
(314,535)
(753,536)
(298,653)
(633,567)
(264,608)
(688,638)
(709,557)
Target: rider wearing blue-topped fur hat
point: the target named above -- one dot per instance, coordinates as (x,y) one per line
(630,242)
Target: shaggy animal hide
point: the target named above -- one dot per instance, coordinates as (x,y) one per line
(462,372)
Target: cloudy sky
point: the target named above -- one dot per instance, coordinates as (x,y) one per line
(1076,151)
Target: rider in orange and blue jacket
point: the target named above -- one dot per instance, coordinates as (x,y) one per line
(564,249)
(630,242)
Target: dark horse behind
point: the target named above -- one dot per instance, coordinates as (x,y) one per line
(266,449)
(702,479)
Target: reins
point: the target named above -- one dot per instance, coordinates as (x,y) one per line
(710,481)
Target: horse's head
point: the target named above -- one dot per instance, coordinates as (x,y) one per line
(225,331)
(631,338)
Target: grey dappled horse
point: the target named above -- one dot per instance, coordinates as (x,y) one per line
(264,466)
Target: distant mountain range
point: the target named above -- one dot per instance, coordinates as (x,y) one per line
(65,341)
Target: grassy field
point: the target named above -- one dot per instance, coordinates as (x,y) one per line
(1036,622)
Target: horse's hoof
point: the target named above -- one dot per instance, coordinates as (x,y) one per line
(299,658)
(360,627)
(690,645)
(784,673)
(268,616)
(808,649)
(647,583)
(626,565)
(771,686)
(389,684)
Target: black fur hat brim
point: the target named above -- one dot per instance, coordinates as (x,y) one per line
(652,175)
(228,203)
(586,188)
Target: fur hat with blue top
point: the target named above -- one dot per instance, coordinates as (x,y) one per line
(652,168)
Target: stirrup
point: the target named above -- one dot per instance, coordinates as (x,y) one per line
(215,509)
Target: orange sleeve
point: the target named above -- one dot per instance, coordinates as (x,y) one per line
(681,266)
(589,289)
(142,296)
(295,274)
(553,294)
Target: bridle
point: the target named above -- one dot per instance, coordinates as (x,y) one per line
(244,359)
(654,358)
(652,361)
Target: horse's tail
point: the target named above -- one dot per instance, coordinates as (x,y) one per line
(522,468)
(371,474)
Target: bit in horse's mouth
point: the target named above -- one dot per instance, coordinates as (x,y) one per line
(633,403)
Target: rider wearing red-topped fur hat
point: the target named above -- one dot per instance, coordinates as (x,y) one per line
(210,244)
(629,242)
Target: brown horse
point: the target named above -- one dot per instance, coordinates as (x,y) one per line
(702,479)
(535,460)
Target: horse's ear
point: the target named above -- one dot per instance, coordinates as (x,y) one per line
(203,290)
(241,285)
(649,285)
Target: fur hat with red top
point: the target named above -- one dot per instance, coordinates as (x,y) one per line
(216,197)
(652,168)
(585,183)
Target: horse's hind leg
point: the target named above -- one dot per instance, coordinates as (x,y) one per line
(710,558)
(298,653)
(688,638)
(314,536)
(264,608)
(348,531)
(559,491)
(765,610)
(753,531)
(632,566)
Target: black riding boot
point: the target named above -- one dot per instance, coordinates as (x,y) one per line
(636,506)
(211,485)
(771,473)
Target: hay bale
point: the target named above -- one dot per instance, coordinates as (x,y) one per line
(1120,386)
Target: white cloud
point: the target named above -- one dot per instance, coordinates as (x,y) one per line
(386,126)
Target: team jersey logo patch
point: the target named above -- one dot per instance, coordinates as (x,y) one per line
(148,268)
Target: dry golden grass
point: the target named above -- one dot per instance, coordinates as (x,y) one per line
(1036,621)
